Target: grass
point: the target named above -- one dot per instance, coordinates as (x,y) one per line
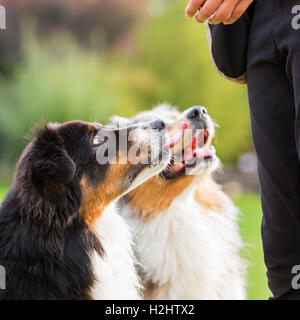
(3,191)
(249,205)
(250,220)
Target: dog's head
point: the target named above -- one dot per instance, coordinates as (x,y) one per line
(192,132)
(99,163)
(193,156)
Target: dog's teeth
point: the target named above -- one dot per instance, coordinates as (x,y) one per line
(173,141)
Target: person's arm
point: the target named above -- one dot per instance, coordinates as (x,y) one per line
(217,11)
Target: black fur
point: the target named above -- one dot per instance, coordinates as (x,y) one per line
(44,243)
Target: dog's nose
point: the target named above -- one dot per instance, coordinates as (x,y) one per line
(196,113)
(158,124)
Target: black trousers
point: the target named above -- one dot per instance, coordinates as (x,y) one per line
(273,74)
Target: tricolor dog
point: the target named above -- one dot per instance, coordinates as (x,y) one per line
(60,237)
(185,228)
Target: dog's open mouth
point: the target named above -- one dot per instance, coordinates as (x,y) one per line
(191,153)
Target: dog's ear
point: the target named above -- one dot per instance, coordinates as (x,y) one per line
(165,107)
(50,161)
(117,121)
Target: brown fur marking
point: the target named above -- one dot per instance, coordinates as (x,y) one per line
(156,195)
(209,194)
(96,199)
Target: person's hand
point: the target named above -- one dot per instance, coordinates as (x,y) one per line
(217,11)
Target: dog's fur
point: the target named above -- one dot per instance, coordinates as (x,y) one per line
(59,235)
(185,228)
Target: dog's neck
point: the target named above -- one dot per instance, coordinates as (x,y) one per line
(191,249)
(156,195)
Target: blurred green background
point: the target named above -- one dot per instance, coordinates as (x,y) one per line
(88,60)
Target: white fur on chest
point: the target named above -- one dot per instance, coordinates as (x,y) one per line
(116,277)
(190,252)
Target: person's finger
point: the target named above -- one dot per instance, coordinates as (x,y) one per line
(208,9)
(238,11)
(223,12)
(193,7)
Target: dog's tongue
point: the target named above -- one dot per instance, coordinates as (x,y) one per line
(174,140)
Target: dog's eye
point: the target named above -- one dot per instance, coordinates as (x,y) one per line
(97,141)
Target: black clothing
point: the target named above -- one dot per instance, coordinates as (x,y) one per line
(273,78)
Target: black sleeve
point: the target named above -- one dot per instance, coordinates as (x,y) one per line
(229,46)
